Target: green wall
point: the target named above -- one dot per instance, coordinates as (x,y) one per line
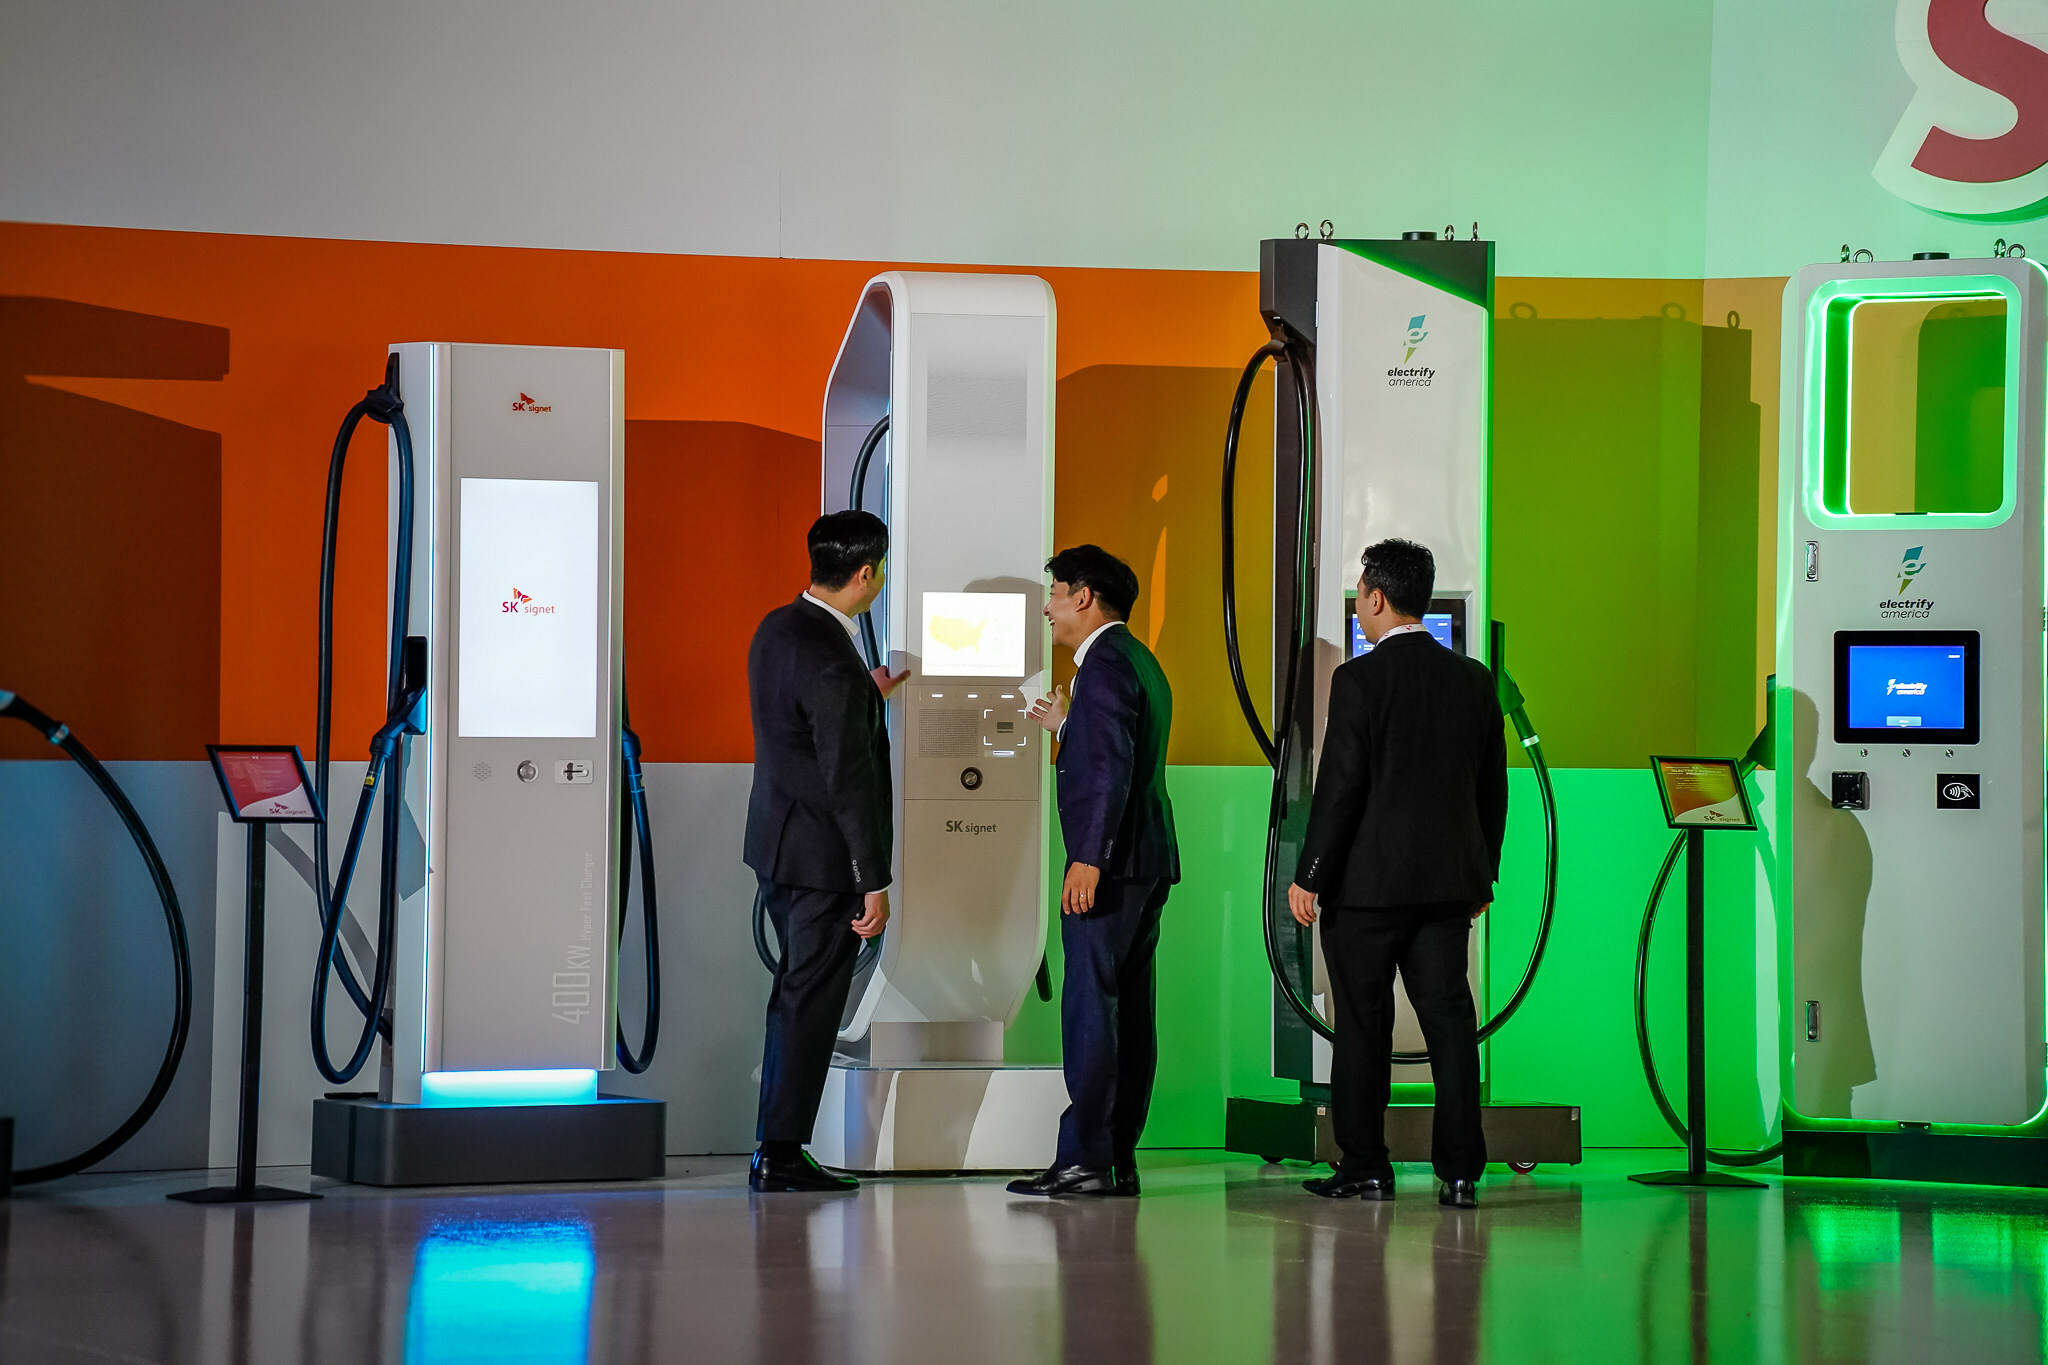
(1573,1041)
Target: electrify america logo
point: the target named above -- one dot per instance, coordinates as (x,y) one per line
(1973,142)
(1910,565)
(1404,375)
(526,403)
(521,604)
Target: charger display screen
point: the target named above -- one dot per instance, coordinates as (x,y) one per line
(1900,685)
(528,601)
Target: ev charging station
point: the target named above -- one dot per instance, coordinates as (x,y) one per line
(1383,358)
(939,419)
(503,945)
(1908,798)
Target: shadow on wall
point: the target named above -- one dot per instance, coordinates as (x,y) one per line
(109,533)
(1827,938)
(1625,525)
(1625,487)
(716,514)
(1141,474)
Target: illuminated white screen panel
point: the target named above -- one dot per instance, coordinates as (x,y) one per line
(528,629)
(974,634)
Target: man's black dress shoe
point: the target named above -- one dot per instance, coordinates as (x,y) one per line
(772,1175)
(1062,1182)
(1458,1194)
(1338,1185)
(1124,1182)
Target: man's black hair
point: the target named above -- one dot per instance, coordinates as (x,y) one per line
(843,541)
(1092,567)
(1404,571)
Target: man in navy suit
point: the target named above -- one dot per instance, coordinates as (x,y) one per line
(1121,861)
(819,828)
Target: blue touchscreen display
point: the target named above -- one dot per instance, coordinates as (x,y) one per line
(1906,687)
(1437,623)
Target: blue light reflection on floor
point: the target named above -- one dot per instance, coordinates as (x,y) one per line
(508,1087)
(496,1290)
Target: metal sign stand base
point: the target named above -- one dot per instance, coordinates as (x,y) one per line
(1696,1172)
(245,1190)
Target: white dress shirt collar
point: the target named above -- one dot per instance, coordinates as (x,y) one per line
(1081,650)
(1408,629)
(852,631)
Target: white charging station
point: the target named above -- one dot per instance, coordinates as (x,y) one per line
(1394,340)
(961,365)
(1909,708)
(504,991)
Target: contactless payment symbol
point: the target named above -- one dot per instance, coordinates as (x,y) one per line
(1910,565)
(1957,791)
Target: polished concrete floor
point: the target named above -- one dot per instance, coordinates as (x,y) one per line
(1222,1260)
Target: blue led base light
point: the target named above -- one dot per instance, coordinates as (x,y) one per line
(491,1290)
(447,1088)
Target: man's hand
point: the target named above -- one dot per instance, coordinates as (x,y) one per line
(1479,910)
(1077,897)
(1050,710)
(874,913)
(1302,904)
(887,683)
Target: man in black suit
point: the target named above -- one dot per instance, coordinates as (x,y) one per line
(1403,848)
(820,828)
(1121,861)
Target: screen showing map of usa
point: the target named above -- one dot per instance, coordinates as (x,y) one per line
(974,634)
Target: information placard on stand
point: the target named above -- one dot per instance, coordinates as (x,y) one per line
(264,785)
(1699,794)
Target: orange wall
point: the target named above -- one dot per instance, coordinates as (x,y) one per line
(167,403)
(135,360)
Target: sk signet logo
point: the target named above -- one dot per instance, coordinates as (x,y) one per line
(1973,142)
(523,605)
(526,403)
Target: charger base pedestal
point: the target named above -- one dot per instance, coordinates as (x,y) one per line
(369,1142)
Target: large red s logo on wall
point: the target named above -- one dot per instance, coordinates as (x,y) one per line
(1974,140)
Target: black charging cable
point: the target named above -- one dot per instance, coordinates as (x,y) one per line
(405,689)
(59,734)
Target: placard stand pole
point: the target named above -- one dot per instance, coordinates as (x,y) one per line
(1696,1172)
(245,1190)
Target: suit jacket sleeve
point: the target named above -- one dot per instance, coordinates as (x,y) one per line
(838,701)
(1343,780)
(1492,785)
(1099,746)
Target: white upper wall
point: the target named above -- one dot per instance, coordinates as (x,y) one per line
(1806,95)
(1113,133)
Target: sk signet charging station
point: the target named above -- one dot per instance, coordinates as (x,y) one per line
(504,768)
(939,419)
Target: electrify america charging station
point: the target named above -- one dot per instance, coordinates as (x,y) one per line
(1382,399)
(503,996)
(939,419)
(1908,791)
